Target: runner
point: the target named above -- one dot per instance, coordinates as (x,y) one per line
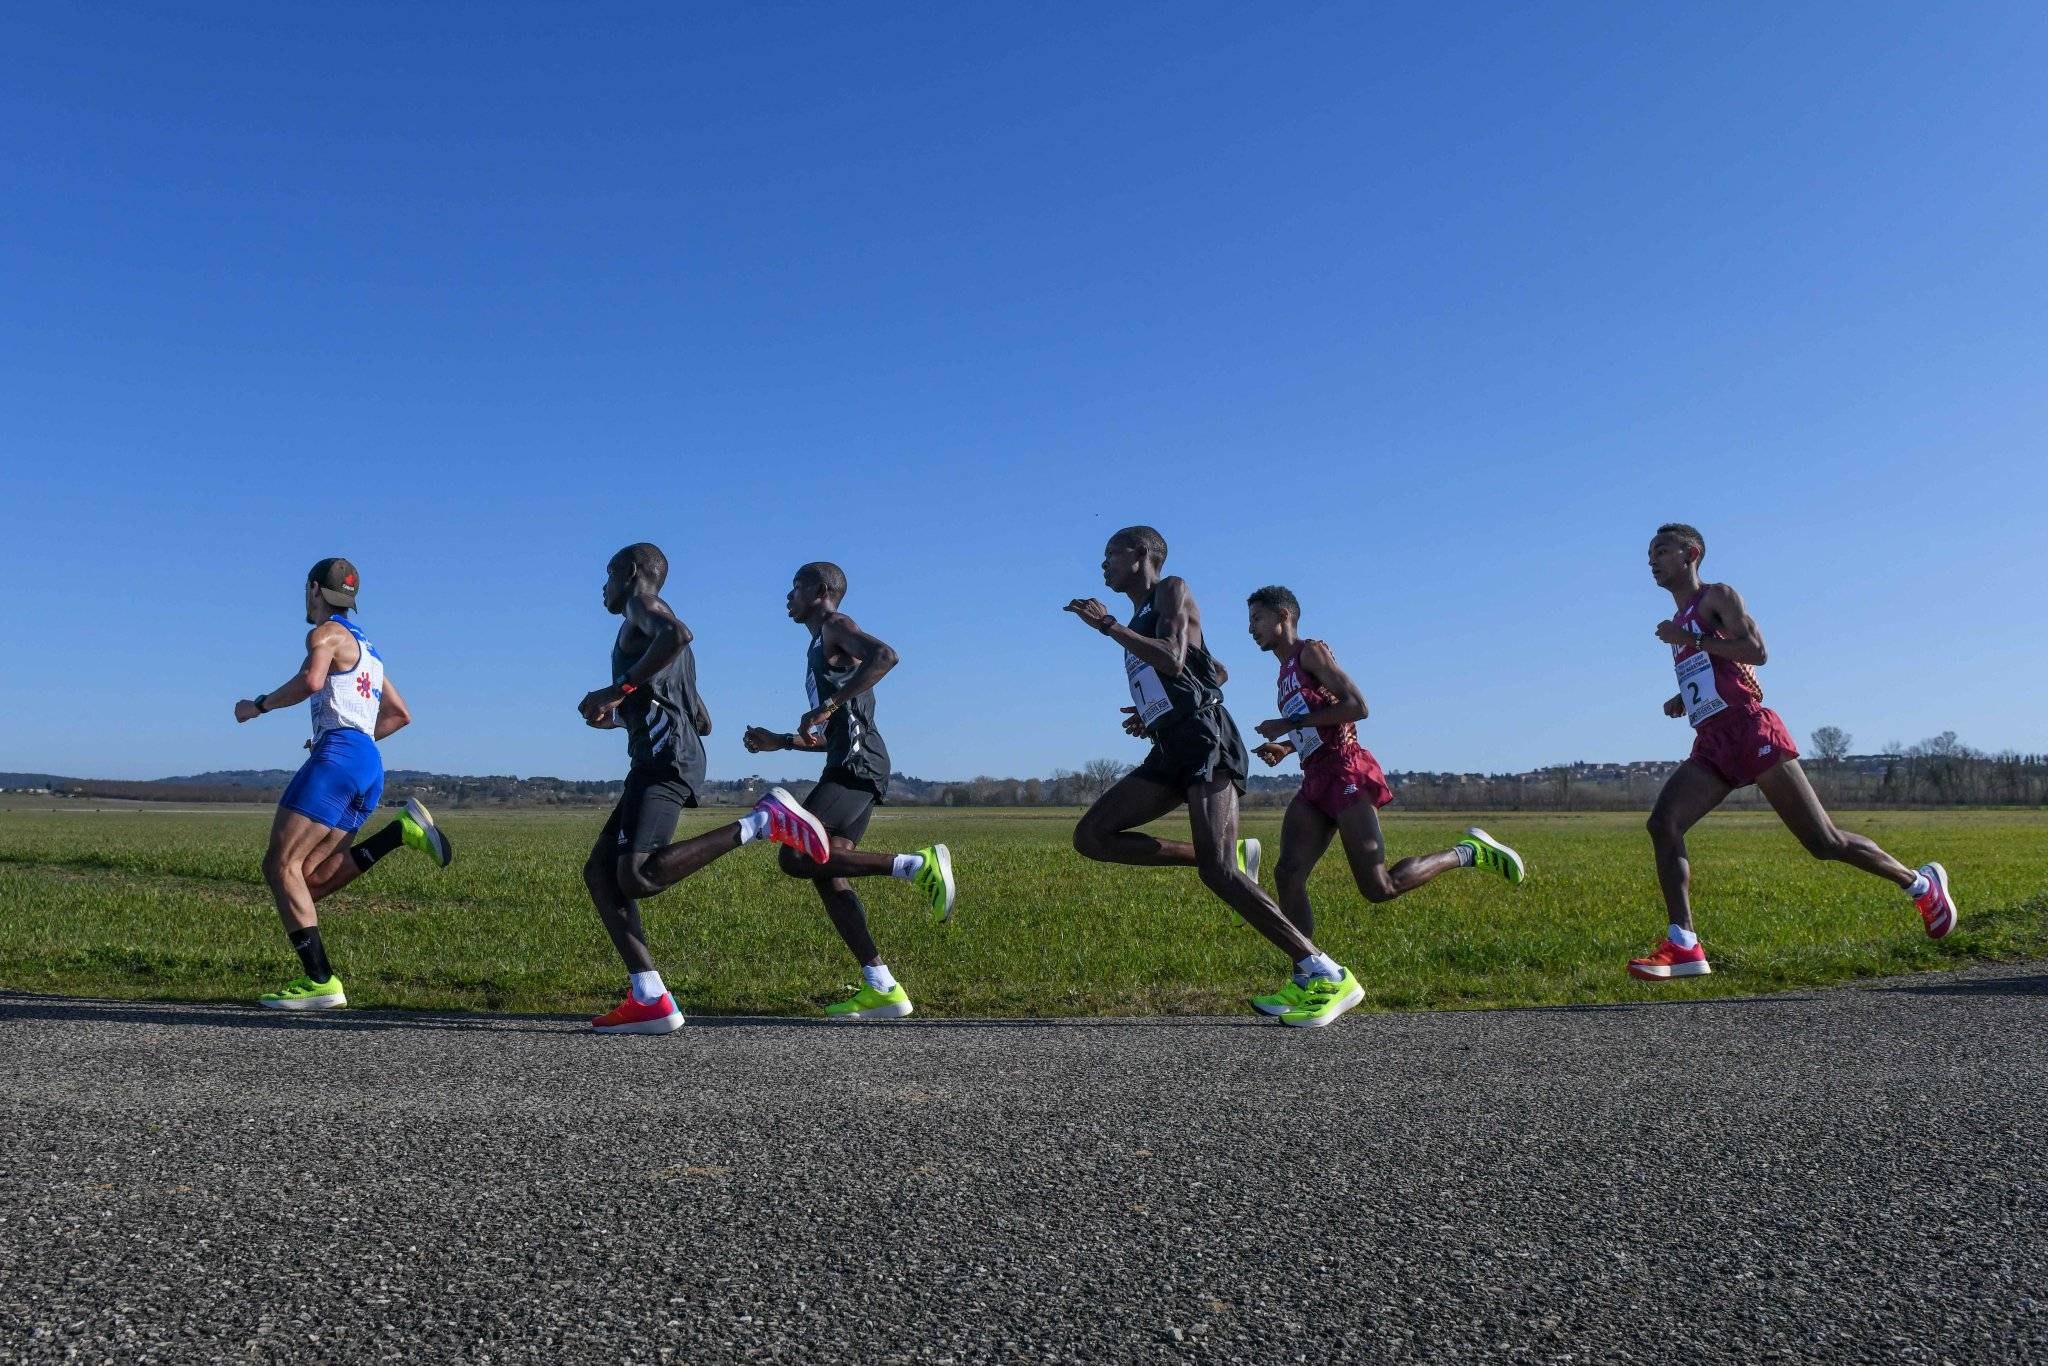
(840,672)
(653,698)
(1342,787)
(1717,648)
(1197,760)
(311,856)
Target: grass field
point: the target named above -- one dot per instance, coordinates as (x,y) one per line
(171,905)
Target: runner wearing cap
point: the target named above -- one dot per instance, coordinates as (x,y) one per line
(354,706)
(653,698)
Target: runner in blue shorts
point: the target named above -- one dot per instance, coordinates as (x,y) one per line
(312,851)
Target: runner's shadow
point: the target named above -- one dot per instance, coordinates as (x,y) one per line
(1977,986)
(72,1010)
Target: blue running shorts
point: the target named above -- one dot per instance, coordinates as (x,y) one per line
(341,784)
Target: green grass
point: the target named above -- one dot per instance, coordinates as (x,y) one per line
(172,906)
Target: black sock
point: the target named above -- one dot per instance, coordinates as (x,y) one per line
(377,846)
(312,954)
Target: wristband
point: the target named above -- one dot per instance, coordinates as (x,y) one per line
(1108,625)
(628,689)
(260,709)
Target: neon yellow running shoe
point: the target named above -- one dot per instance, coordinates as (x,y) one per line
(419,831)
(1323,1001)
(869,1004)
(1495,857)
(1248,858)
(303,993)
(1289,997)
(935,880)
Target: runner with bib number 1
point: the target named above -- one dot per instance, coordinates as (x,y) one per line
(1197,760)
(1716,649)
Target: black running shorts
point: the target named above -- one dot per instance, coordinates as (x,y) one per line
(843,804)
(645,818)
(1196,751)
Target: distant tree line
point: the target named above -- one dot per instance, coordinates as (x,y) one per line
(1940,771)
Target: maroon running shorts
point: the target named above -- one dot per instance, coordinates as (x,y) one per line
(1334,783)
(1741,744)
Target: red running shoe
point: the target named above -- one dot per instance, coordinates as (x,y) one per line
(790,824)
(636,1017)
(1670,961)
(1937,908)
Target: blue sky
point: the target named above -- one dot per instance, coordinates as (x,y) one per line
(1431,314)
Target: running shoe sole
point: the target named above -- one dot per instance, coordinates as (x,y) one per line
(895,1010)
(795,808)
(443,851)
(945,858)
(1474,832)
(1658,973)
(1329,1017)
(1939,929)
(335,1002)
(667,1025)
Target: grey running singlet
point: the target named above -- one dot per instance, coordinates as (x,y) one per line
(852,744)
(661,716)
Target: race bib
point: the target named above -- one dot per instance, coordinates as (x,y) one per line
(1696,686)
(1148,693)
(1306,739)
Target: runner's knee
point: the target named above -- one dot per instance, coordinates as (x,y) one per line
(1663,830)
(632,876)
(1291,874)
(1824,844)
(1219,875)
(795,864)
(1377,887)
(1087,840)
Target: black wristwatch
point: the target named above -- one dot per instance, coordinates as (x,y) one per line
(259,702)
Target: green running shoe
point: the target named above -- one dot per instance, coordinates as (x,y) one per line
(1495,857)
(1323,1001)
(935,880)
(305,994)
(1248,858)
(1289,997)
(420,832)
(869,1004)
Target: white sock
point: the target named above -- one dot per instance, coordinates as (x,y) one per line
(647,988)
(1681,936)
(753,825)
(879,977)
(1921,882)
(1319,965)
(1466,855)
(907,865)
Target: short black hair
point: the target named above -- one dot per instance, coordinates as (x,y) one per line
(1690,535)
(1276,599)
(827,576)
(647,561)
(1145,539)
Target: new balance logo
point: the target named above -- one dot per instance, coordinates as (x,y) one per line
(1762,752)
(1351,789)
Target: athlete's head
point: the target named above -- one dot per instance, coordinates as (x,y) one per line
(1129,554)
(1675,550)
(639,568)
(1274,613)
(330,587)
(819,587)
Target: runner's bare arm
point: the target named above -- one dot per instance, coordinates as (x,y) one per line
(702,720)
(1722,610)
(1168,653)
(323,642)
(842,637)
(666,637)
(1320,667)
(392,713)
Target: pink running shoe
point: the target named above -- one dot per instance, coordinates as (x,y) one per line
(1668,961)
(1937,908)
(639,1017)
(790,824)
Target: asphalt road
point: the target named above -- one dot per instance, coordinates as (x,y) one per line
(1845,1175)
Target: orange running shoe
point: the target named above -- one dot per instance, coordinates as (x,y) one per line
(790,824)
(638,1017)
(1937,908)
(1668,961)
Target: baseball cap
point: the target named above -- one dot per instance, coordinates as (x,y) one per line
(336,579)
